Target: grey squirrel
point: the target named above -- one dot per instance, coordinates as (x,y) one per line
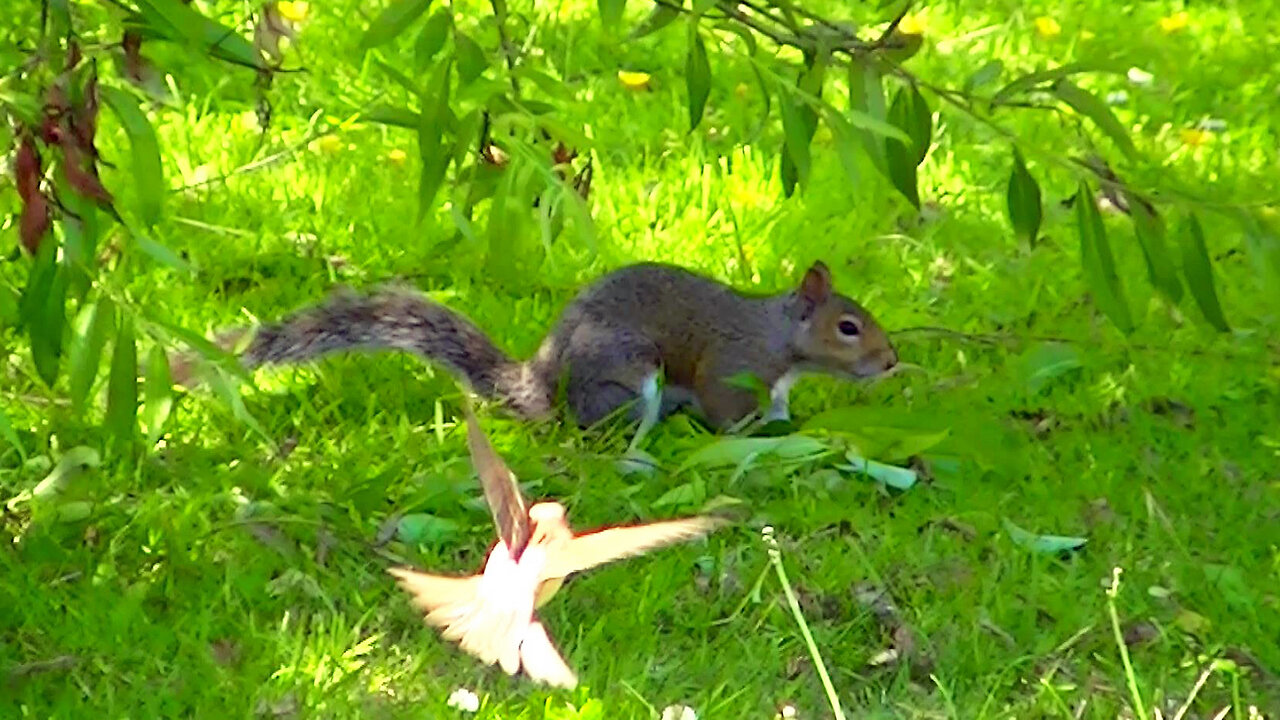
(612,340)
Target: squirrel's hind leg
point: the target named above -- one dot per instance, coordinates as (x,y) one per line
(609,368)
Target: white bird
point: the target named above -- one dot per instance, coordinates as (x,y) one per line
(492,615)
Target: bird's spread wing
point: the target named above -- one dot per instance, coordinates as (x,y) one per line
(510,512)
(443,599)
(542,662)
(597,548)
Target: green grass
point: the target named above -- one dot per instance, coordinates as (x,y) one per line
(218,577)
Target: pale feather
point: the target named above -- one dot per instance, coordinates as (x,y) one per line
(542,661)
(501,490)
(597,548)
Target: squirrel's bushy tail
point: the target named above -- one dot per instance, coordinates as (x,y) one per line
(396,319)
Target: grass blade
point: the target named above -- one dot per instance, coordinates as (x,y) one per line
(7,432)
(775,558)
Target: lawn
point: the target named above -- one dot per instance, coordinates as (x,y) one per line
(238,568)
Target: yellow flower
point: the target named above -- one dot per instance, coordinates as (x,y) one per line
(327,144)
(633,80)
(397,156)
(911,25)
(295,11)
(1195,137)
(1048,27)
(1175,22)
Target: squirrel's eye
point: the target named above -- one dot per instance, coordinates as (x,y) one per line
(848,328)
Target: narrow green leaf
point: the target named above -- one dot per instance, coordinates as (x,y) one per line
(157,393)
(1030,80)
(177,21)
(1047,362)
(9,304)
(470,58)
(1047,544)
(158,252)
(43,311)
(1150,231)
(431,39)
(697,73)
(1199,273)
(221,382)
(799,123)
(866,98)
(848,147)
(915,119)
(7,432)
(751,382)
(1024,201)
(611,12)
(683,495)
(895,477)
(90,331)
(910,114)
(728,451)
(147,173)
(797,135)
(424,528)
(1088,104)
(435,155)
(122,384)
(392,116)
(81,230)
(985,75)
(1098,263)
(392,21)
(398,76)
(662,15)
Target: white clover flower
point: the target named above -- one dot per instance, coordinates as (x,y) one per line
(464,700)
(678,712)
(1140,77)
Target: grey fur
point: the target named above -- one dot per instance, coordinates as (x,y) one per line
(618,332)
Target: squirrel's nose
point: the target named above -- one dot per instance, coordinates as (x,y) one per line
(889,359)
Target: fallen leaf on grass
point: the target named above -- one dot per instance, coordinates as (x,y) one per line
(896,477)
(1048,544)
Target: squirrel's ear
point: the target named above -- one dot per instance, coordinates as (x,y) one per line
(815,288)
